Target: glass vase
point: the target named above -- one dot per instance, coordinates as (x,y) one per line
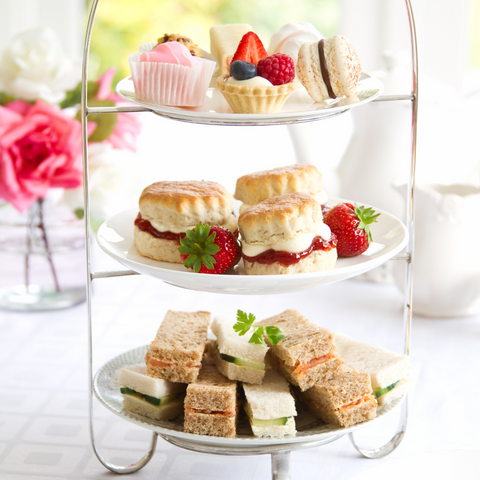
(42,257)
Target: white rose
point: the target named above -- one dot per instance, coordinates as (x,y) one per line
(34,66)
(113,183)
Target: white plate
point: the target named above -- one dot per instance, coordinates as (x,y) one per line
(309,429)
(299,107)
(115,237)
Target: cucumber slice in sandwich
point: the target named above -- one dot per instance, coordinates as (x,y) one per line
(239,361)
(378,392)
(152,400)
(274,422)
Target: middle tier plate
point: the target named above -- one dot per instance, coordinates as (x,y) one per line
(115,237)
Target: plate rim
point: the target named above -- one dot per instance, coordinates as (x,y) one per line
(193,116)
(247,442)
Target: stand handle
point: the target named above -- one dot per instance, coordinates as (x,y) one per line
(281,466)
(390,446)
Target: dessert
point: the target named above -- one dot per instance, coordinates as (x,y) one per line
(150,397)
(329,68)
(264,86)
(211,404)
(351,225)
(170,75)
(224,40)
(344,399)
(300,177)
(307,354)
(168,209)
(187,42)
(270,407)
(234,356)
(291,37)
(177,351)
(286,235)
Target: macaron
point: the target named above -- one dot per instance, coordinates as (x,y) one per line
(329,68)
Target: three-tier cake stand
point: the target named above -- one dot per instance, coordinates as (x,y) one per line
(100,385)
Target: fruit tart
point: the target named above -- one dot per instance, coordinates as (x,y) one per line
(257,82)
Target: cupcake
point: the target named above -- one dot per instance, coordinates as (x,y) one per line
(169,75)
(256,82)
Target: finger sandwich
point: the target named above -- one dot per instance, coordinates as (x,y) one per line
(344,399)
(388,370)
(270,407)
(285,235)
(150,397)
(307,354)
(300,177)
(234,356)
(211,406)
(177,351)
(168,209)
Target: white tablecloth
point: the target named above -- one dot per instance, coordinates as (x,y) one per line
(43,370)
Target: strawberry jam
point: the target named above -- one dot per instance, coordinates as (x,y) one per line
(288,258)
(146,226)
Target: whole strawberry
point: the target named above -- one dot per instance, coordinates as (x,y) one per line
(208,249)
(351,226)
(278,68)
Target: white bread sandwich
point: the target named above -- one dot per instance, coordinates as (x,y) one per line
(211,404)
(177,351)
(151,397)
(270,407)
(300,177)
(388,370)
(169,209)
(307,354)
(234,356)
(286,235)
(344,399)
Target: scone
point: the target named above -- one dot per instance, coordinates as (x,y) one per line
(168,209)
(285,234)
(329,68)
(301,177)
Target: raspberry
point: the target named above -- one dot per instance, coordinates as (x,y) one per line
(277,68)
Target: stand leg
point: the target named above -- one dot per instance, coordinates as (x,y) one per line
(393,443)
(281,466)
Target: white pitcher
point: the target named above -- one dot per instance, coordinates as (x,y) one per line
(446,278)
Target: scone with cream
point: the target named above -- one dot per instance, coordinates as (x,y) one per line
(168,209)
(258,186)
(286,234)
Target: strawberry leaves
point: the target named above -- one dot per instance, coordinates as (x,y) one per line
(200,247)
(366,216)
(245,323)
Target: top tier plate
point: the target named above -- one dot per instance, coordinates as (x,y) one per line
(298,108)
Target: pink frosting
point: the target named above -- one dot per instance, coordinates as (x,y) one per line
(170,52)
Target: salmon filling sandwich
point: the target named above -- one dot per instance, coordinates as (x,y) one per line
(177,351)
(211,404)
(344,399)
(307,354)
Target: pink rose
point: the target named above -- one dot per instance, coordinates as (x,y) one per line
(128,126)
(40,148)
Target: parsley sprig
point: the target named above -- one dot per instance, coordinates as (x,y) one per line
(245,323)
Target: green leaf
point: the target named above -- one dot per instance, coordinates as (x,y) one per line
(257,336)
(5,98)
(244,322)
(80,213)
(274,334)
(74,97)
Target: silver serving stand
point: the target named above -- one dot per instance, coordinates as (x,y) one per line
(280,454)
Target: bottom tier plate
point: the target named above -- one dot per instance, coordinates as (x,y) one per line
(309,428)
